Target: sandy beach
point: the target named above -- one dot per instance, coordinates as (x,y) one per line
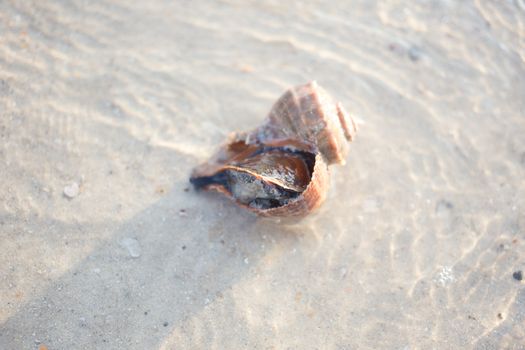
(106,106)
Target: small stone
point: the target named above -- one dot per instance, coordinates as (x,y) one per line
(132,246)
(518,275)
(444,207)
(502,247)
(183,213)
(395,47)
(415,53)
(72,190)
(165,324)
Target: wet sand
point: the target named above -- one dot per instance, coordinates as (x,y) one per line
(417,246)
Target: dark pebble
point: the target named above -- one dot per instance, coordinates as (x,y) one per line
(518,275)
(444,204)
(165,324)
(183,247)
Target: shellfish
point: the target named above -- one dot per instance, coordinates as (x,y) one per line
(281,167)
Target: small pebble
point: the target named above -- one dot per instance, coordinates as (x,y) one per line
(444,207)
(502,247)
(394,47)
(415,53)
(132,246)
(518,275)
(72,190)
(183,213)
(165,324)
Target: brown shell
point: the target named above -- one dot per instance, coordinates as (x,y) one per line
(281,168)
(309,114)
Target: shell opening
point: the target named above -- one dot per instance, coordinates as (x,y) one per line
(259,190)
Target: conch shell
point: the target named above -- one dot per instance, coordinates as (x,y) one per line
(281,168)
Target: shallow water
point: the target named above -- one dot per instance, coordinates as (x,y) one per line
(415,248)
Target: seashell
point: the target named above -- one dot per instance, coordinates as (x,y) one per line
(281,168)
